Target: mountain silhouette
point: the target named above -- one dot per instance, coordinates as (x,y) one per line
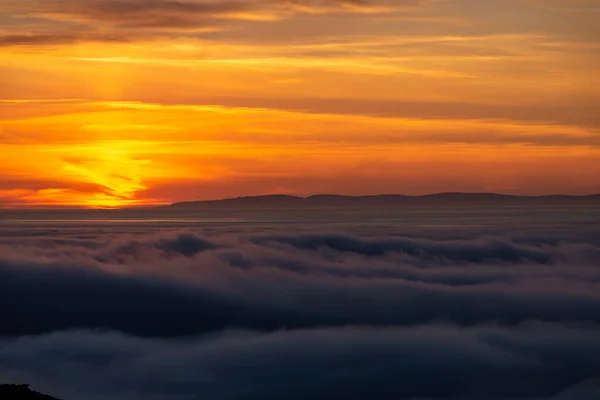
(391,200)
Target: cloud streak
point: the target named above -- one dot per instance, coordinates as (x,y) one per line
(174,14)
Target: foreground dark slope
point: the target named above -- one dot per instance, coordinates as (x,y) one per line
(21,392)
(393,200)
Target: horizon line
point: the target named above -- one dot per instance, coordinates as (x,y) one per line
(50,207)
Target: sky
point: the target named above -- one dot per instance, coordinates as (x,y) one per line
(112,103)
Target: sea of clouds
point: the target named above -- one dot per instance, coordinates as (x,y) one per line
(488,306)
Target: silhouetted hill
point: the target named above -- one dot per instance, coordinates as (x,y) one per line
(263,201)
(21,392)
(391,200)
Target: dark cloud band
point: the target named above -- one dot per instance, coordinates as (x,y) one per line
(426,362)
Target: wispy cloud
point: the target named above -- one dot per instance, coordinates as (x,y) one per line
(175,14)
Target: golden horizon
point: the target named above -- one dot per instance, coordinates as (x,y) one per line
(105,106)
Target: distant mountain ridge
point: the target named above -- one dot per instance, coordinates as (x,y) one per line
(391,200)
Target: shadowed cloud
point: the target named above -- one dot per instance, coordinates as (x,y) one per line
(441,362)
(184,283)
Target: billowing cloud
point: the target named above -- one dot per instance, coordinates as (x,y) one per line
(159,304)
(186,283)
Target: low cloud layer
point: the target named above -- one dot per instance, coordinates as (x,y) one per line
(187,281)
(502,307)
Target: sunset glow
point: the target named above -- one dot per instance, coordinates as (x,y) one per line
(112,103)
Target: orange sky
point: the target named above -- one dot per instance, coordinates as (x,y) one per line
(109,103)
